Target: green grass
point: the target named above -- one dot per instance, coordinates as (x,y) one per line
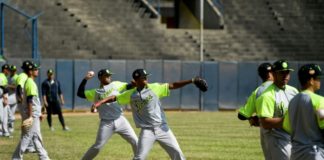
(201,135)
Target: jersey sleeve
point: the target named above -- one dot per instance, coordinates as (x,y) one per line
(44,88)
(125,97)
(30,88)
(3,79)
(318,103)
(1,82)
(249,108)
(90,94)
(265,106)
(161,90)
(120,85)
(21,79)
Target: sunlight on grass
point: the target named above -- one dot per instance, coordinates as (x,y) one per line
(201,135)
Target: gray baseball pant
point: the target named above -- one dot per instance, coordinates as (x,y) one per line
(34,136)
(11,119)
(31,148)
(106,129)
(4,119)
(12,100)
(166,139)
(277,149)
(307,152)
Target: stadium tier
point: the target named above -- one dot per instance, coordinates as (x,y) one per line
(123,29)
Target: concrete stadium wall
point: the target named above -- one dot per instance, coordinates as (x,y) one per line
(230,83)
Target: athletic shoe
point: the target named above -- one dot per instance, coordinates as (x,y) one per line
(66,129)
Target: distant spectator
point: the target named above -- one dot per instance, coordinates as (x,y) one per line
(53,99)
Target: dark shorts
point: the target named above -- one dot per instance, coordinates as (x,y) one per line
(54,107)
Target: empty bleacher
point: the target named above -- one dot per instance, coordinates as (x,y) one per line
(267,30)
(104,29)
(121,29)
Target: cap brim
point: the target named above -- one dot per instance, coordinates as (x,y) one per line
(285,70)
(108,74)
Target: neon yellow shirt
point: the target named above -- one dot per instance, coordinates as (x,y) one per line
(317,103)
(21,79)
(3,79)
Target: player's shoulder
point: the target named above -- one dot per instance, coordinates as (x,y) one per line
(263,86)
(270,89)
(156,85)
(117,83)
(314,96)
(29,81)
(22,74)
(288,87)
(268,92)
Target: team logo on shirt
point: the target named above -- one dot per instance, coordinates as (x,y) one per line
(141,103)
(280,110)
(105,94)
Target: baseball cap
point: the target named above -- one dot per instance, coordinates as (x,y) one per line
(281,65)
(5,66)
(264,68)
(13,68)
(308,71)
(50,71)
(138,73)
(25,64)
(32,66)
(104,72)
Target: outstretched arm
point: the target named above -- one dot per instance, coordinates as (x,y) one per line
(200,83)
(179,84)
(105,100)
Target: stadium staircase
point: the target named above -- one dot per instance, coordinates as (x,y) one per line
(267,30)
(106,29)
(122,29)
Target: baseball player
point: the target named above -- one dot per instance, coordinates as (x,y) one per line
(110,114)
(12,97)
(305,119)
(4,108)
(31,117)
(271,107)
(21,103)
(148,113)
(248,110)
(3,75)
(4,111)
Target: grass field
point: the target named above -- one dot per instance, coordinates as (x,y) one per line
(201,135)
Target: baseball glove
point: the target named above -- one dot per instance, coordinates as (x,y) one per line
(27,124)
(254,121)
(200,83)
(93,109)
